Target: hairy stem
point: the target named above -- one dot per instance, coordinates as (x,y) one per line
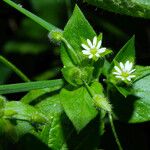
(14,68)
(114,132)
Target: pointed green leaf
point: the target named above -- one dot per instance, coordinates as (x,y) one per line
(76,29)
(127,52)
(79,105)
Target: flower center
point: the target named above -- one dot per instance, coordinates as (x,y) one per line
(93,51)
(125,74)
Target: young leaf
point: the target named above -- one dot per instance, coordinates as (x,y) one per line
(76,28)
(79,105)
(138,8)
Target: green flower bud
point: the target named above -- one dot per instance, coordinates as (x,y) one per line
(75,76)
(55,36)
(101,102)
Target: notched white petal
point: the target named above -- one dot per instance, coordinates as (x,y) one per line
(89,43)
(99,44)
(85,46)
(102,50)
(86,52)
(122,66)
(97,55)
(94,41)
(117,73)
(120,77)
(117,69)
(132,71)
(90,56)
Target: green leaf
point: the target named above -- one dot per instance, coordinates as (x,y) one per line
(127,52)
(36,95)
(142,72)
(135,108)
(19,111)
(52,133)
(23,87)
(79,105)
(76,29)
(138,8)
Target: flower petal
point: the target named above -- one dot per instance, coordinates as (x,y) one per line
(101,50)
(97,55)
(117,73)
(129,78)
(89,43)
(132,71)
(132,76)
(117,69)
(128,66)
(86,52)
(120,77)
(94,41)
(99,44)
(90,56)
(85,46)
(122,66)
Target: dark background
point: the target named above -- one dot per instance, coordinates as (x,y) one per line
(26,45)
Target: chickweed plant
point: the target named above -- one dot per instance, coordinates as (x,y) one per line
(92,89)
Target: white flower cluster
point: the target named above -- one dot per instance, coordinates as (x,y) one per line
(93,49)
(124,71)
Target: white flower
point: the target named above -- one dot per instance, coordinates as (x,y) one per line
(124,71)
(93,49)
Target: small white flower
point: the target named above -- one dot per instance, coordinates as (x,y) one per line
(124,71)
(93,49)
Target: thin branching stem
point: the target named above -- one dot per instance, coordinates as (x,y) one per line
(14,68)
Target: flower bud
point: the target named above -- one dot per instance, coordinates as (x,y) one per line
(101,102)
(55,36)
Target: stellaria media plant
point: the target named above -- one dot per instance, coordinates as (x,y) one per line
(81,98)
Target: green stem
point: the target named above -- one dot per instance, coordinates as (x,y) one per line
(114,132)
(23,87)
(14,68)
(35,18)
(88,89)
(72,54)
